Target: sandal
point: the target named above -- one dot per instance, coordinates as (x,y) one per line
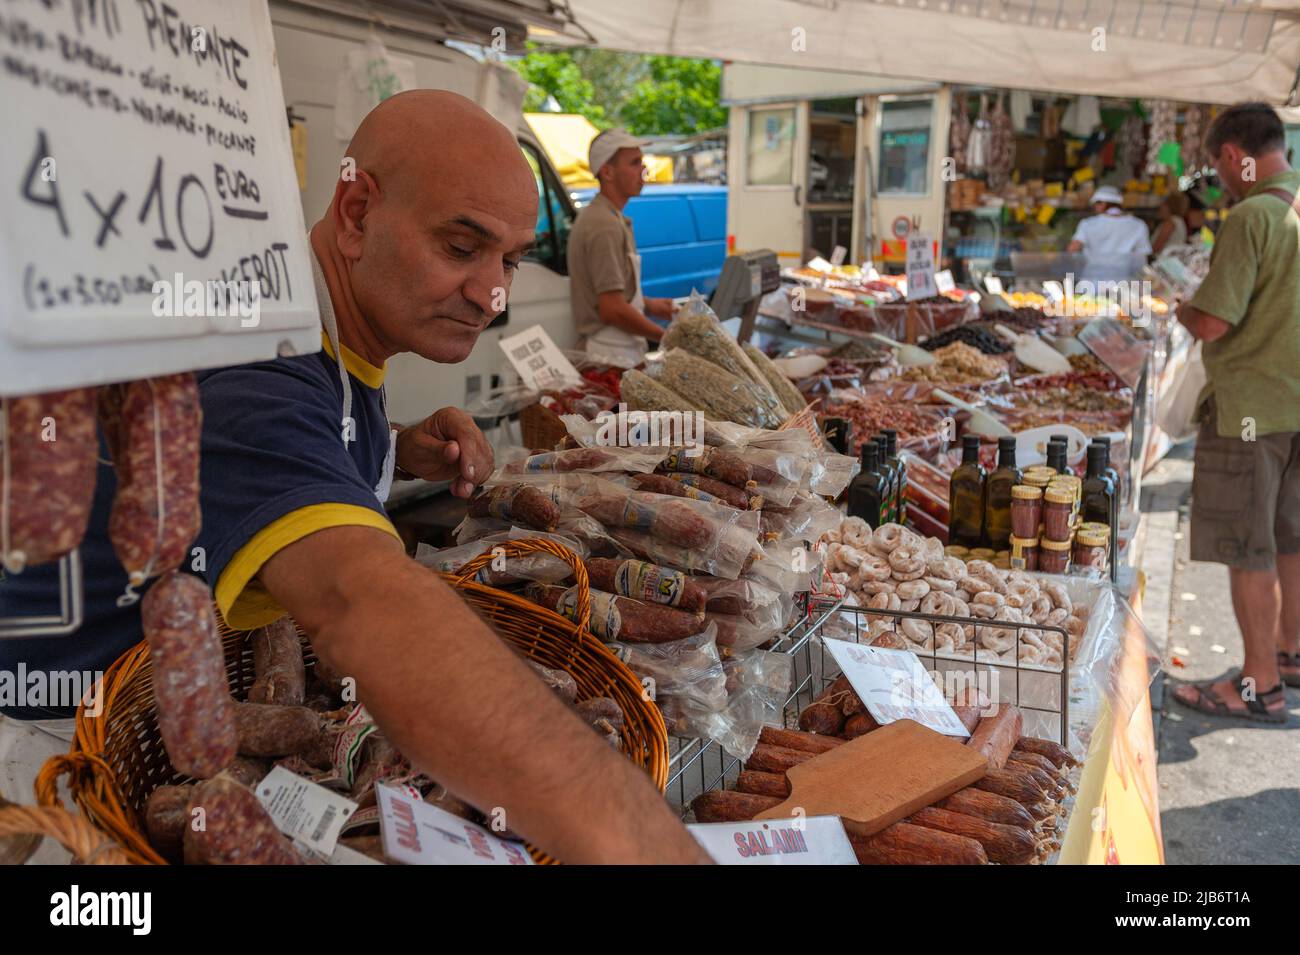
(1289,661)
(1267,707)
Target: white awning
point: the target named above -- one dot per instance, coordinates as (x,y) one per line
(1204,51)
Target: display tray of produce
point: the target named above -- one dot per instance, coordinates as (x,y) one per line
(920,429)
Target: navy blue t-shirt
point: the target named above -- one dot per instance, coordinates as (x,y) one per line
(274,468)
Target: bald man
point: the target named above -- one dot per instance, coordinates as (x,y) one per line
(415,253)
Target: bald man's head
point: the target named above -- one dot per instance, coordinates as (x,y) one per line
(432,225)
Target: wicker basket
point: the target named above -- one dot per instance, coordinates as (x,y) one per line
(117,758)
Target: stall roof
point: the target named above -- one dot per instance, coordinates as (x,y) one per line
(1204,51)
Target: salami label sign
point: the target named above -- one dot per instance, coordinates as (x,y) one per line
(148,190)
(816,840)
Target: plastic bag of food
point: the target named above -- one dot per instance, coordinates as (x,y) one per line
(734,550)
(643,393)
(697,330)
(689,669)
(785,566)
(715,391)
(541,468)
(619,618)
(639,430)
(782,387)
(573,524)
(734,597)
(806,519)
(642,580)
(758,683)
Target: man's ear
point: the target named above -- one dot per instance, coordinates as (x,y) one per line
(354,197)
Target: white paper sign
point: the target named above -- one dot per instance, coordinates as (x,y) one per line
(895,686)
(838,255)
(416,833)
(538,361)
(993,284)
(817,263)
(920,268)
(870,274)
(310,815)
(943,281)
(816,840)
(145,140)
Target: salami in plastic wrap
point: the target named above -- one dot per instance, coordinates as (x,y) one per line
(620,618)
(720,465)
(679,522)
(155,511)
(233,828)
(645,581)
(196,715)
(806,519)
(690,668)
(580,460)
(733,551)
(734,596)
(744,499)
(47,475)
(663,484)
(516,504)
(279,674)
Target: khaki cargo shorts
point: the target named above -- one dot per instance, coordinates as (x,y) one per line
(1245,497)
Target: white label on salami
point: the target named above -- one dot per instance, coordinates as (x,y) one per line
(311,815)
(416,833)
(605,621)
(815,840)
(688,463)
(649,582)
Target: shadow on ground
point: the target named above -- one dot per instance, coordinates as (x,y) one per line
(1244,829)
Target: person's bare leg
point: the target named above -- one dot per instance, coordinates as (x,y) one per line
(1258,605)
(1288,575)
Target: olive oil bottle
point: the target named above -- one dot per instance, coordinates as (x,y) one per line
(869,491)
(997,498)
(966,497)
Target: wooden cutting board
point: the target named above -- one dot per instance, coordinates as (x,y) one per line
(875,780)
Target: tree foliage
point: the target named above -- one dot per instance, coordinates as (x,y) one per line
(648,94)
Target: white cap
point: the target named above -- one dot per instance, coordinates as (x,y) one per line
(604,146)
(1108,194)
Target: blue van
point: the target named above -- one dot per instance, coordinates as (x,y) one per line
(681,233)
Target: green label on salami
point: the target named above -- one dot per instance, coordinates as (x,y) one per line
(649,582)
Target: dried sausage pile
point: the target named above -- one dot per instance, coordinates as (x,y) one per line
(1007,817)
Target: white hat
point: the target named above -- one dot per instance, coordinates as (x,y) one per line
(1108,194)
(604,146)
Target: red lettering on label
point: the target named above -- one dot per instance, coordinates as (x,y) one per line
(408,835)
(741,846)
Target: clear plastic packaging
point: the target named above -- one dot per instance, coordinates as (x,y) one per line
(546,568)
(739,596)
(689,669)
(806,519)
(696,329)
(758,686)
(726,556)
(542,468)
(714,390)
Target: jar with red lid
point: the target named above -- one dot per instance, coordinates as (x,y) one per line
(1058,514)
(1026,510)
(1053,556)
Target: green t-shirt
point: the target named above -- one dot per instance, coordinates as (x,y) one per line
(1254,286)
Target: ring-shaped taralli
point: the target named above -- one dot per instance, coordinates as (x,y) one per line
(997,639)
(841,579)
(884,601)
(974,585)
(944,642)
(913,589)
(875,568)
(874,587)
(1058,617)
(936,601)
(943,568)
(981,568)
(960,608)
(1015,600)
(889,640)
(910,604)
(849,558)
(906,564)
(951,631)
(941,583)
(888,536)
(986,611)
(854,527)
(933,548)
(990,598)
(1060,598)
(918,631)
(1042,607)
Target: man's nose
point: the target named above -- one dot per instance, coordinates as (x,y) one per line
(487,288)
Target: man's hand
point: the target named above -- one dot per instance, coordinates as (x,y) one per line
(1202,325)
(447,445)
(659,307)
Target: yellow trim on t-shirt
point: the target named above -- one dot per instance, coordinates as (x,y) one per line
(370,375)
(243,601)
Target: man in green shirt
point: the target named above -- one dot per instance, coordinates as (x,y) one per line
(1246,488)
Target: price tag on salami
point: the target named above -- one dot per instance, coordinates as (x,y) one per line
(895,686)
(310,815)
(538,360)
(815,840)
(416,833)
(943,281)
(920,268)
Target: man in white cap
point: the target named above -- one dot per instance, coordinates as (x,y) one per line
(1112,232)
(609,310)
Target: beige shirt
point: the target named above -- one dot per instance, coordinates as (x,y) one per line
(602,258)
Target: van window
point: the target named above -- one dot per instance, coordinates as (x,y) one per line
(905,147)
(553,217)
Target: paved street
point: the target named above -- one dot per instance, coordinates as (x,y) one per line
(1229,789)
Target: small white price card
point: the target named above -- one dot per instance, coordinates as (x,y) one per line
(993,284)
(538,360)
(310,815)
(894,686)
(815,840)
(943,281)
(838,255)
(416,833)
(920,268)
(819,264)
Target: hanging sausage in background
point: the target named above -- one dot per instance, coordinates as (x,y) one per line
(155,511)
(47,475)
